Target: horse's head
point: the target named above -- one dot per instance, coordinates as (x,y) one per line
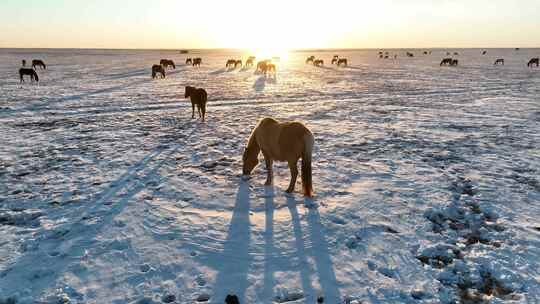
(188,91)
(250,160)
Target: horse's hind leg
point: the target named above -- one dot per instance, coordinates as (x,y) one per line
(294,174)
(203,109)
(192,110)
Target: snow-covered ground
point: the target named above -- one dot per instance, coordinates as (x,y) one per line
(426,178)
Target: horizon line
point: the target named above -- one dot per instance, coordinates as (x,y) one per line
(244,49)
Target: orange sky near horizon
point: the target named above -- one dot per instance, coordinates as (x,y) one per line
(277,24)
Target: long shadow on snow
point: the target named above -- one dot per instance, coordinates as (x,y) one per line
(234,272)
(77,236)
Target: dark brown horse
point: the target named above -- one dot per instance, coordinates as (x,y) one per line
(238,63)
(167,63)
(409,54)
(533,61)
(198,97)
(197,62)
(230,63)
(30,72)
(40,63)
(157,68)
(318,62)
(446,61)
(310,59)
(342,61)
(499,61)
(189,61)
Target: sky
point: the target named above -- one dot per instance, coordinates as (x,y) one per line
(283,24)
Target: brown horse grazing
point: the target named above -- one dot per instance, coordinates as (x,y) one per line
(499,61)
(310,59)
(533,61)
(31,72)
(262,66)
(230,63)
(271,68)
(40,63)
(157,68)
(197,62)
(318,62)
(198,97)
(446,61)
(288,142)
(249,62)
(238,63)
(342,61)
(189,61)
(334,61)
(409,54)
(167,63)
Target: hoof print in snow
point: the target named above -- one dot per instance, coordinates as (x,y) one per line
(231,299)
(168,298)
(203,298)
(418,294)
(289,297)
(200,281)
(145,268)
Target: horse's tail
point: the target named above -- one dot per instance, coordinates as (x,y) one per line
(307,183)
(44,66)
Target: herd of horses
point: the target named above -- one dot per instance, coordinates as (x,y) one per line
(24,71)
(335,60)
(158,70)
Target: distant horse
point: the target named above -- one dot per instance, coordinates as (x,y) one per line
(262,66)
(318,62)
(23,63)
(230,63)
(446,61)
(342,61)
(310,59)
(31,72)
(167,63)
(40,63)
(249,62)
(533,61)
(198,97)
(335,57)
(386,57)
(425,52)
(448,54)
(271,68)
(499,61)
(409,54)
(455,62)
(456,54)
(238,63)
(189,61)
(157,68)
(334,60)
(484,52)
(381,56)
(286,142)
(197,62)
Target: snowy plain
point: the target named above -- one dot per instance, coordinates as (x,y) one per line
(426,179)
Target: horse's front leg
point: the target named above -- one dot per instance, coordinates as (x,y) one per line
(294,175)
(269,169)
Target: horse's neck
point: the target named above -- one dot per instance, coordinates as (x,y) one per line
(253,146)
